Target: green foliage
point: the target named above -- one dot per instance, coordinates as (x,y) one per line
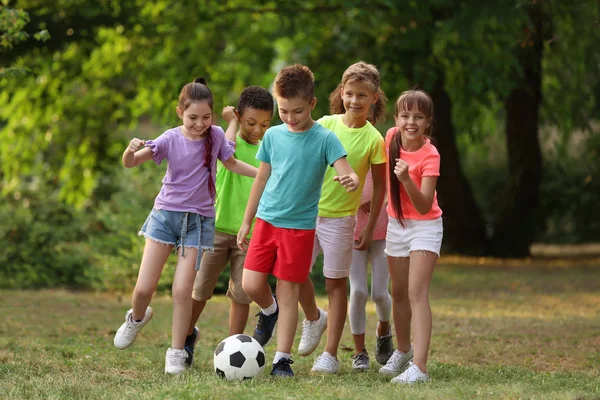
(43,243)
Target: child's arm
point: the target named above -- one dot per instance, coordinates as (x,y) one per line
(229,116)
(133,156)
(365,237)
(258,187)
(239,167)
(346,176)
(421,199)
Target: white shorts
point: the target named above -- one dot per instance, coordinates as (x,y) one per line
(418,235)
(335,236)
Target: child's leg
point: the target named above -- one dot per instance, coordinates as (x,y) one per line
(255,285)
(308,300)
(287,300)
(398,268)
(422,264)
(211,266)
(337,291)
(238,316)
(380,281)
(240,302)
(182,296)
(154,258)
(359,293)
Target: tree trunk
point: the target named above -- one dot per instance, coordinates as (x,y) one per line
(515,229)
(464,230)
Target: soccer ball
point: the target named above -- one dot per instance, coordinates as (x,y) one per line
(239,357)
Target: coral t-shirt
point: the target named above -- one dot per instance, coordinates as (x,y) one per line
(421,163)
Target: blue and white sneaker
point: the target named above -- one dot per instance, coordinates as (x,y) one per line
(282,368)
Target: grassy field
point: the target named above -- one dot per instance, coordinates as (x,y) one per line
(502,330)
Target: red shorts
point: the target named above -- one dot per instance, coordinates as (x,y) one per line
(283,252)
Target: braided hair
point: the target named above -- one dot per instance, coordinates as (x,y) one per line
(195,92)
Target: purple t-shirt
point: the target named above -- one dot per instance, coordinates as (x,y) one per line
(185,185)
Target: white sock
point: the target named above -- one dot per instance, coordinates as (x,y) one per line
(279,355)
(271,309)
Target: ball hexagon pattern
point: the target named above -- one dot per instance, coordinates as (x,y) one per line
(239,357)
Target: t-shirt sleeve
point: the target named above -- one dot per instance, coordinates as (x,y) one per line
(264,149)
(225,148)
(160,147)
(334,149)
(431,164)
(378,154)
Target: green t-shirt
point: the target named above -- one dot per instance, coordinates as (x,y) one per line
(233,190)
(365,146)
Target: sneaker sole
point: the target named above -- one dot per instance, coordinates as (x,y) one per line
(143,325)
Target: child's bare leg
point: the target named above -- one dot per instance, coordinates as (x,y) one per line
(337,290)
(238,316)
(308,301)
(256,287)
(359,343)
(153,260)
(287,299)
(182,296)
(422,265)
(398,267)
(197,308)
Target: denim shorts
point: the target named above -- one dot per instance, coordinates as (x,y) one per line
(181,229)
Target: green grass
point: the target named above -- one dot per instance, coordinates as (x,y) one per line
(500,332)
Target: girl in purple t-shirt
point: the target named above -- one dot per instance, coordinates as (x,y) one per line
(183,213)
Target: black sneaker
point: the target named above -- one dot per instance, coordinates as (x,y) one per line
(263,333)
(384,348)
(282,368)
(190,342)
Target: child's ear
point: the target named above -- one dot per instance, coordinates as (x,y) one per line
(313,103)
(237,114)
(179,112)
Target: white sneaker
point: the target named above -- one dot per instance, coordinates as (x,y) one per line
(127,333)
(397,362)
(311,334)
(413,374)
(175,361)
(326,363)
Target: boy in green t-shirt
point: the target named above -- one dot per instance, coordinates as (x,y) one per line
(254,113)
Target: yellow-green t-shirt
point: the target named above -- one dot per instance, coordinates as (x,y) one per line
(365,146)
(233,190)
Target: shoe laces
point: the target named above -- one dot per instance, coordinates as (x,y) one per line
(283,364)
(265,322)
(326,361)
(361,358)
(394,360)
(413,372)
(382,343)
(175,358)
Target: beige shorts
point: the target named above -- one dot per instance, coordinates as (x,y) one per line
(335,237)
(212,265)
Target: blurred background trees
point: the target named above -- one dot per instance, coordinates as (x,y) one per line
(515,86)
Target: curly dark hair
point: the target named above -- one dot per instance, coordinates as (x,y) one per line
(257,98)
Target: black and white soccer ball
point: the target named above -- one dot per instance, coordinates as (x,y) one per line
(239,357)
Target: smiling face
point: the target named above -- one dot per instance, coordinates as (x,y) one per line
(296,113)
(413,125)
(197,118)
(253,124)
(358,96)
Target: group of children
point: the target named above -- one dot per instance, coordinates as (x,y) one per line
(319,186)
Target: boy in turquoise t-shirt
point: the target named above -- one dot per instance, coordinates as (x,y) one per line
(285,195)
(254,113)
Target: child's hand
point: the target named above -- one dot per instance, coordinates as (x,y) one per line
(350,181)
(135,144)
(228,113)
(401,170)
(242,241)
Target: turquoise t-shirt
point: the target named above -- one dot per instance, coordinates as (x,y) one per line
(233,190)
(298,164)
